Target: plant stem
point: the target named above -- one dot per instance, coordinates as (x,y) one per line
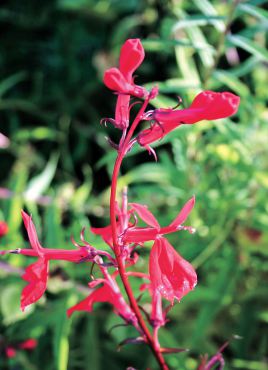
(121,268)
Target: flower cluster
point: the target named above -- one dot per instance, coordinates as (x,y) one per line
(169,277)
(27,345)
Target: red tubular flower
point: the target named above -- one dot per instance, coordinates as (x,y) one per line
(171,275)
(36,274)
(3,228)
(121,80)
(207,105)
(143,234)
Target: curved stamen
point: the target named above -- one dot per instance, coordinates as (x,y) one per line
(75,243)
(179,103)
(112,144)
(133,104)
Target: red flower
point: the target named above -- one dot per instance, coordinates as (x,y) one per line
(10,352)
(3,228)
(36,274)
(170,274)
(28,344)
(121,80)
(142,234)
(207,105)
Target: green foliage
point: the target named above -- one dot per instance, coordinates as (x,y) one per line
(52,57)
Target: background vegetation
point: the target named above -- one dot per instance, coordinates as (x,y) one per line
(58,167)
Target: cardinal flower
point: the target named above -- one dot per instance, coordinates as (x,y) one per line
(121,81)
(36,274)
(143,234)
(171,276)
(207,105)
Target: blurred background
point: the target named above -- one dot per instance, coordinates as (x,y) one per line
(56,164)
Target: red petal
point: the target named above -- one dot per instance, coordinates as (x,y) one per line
(115,80)
(184,213)
(36,274)
(216,105)
(99,295)
(140,234)
(145,215)
(122,111)
(31,231)
(131,56)
(170,274)
(105,233)
(102,294)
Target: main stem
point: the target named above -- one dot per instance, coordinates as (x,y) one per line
(117,251)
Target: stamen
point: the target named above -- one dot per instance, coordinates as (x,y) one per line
(112,144)
(179,102)
(75,243)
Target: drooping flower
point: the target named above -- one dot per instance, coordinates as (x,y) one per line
(143,234)
(121,81)
(207,105)
(36,274)
(171,275)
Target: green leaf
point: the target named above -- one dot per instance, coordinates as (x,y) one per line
(61,330)
(194,21)
(39,184)
(209,10)
(11,81)
(256,12)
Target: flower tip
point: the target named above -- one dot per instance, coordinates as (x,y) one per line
(233,100)
(25,215)
(153,92)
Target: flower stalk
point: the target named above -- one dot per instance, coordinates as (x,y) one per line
(151,340)
(169,277)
